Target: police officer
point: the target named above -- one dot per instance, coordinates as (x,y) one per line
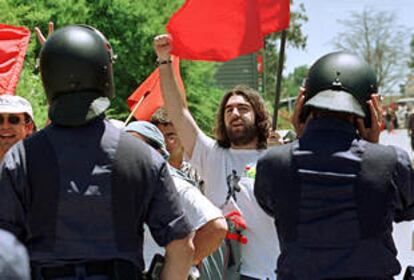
(334,195)
(78,192)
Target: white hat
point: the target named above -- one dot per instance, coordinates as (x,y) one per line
(15,104)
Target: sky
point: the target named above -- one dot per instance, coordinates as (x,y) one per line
(323,25)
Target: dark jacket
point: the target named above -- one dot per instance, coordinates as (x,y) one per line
(75,194)
(334,198)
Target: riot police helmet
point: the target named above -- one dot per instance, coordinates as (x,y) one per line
(340,82)
(76,71)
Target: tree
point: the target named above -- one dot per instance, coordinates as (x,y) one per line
(377,37)
(295,38)
(294,81)
(411,61)
(130,26)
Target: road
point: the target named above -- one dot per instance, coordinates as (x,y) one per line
(403,232)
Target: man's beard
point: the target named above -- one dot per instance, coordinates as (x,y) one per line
(243,136)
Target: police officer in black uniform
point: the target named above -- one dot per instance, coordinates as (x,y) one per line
(334,195)
(78,192)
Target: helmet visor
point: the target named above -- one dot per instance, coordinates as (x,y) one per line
(337,101)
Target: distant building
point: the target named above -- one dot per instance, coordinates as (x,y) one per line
(409,86)
(241,70)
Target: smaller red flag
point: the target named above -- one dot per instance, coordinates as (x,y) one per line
(13,45)
(150,93)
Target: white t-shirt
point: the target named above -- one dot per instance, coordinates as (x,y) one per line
(198,209)
(217,167)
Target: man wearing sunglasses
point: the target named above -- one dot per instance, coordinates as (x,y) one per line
(16,121)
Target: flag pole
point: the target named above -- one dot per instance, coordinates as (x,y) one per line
(279,79)
(134,110)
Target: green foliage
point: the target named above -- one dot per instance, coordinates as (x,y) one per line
(411,61)
(294,81)
(202,93)
(295,38)
(290,84)
(130,26)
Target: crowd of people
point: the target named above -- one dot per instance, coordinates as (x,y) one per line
(86,199)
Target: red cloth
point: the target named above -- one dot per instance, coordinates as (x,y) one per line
(219,30)
(151,89)
(237,225)
(13,45)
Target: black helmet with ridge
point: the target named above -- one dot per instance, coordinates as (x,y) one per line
(341,82)
(76,70)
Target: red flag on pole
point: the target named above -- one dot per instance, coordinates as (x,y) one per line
(149,93)
(218,30)
(13,45)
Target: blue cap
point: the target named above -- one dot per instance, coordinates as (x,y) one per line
(152,133)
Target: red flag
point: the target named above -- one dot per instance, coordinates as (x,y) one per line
(13,45)
(219,30)
(274,15)
(150,93)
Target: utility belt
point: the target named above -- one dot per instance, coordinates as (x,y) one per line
(113,269)
(154,272)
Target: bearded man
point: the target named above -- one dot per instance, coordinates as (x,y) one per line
(227,164)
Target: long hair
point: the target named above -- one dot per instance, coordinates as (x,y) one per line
(262,117)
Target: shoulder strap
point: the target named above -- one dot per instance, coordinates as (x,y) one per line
(373,188)
(129,172)
(281,177)
(43,178)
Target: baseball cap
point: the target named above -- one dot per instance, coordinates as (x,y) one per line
(15,104)
(152,133)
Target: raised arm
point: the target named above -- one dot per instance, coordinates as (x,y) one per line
(175,104)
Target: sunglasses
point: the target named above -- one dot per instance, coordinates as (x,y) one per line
(11,119)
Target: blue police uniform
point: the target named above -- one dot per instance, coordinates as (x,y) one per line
(334,197)
(80,195)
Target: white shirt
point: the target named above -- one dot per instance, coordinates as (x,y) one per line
(215,165)
(198,209)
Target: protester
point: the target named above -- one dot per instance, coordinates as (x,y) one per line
(174,146)
(14,261)
(340,193)
(16,121)
(207,220)
(78,192)
(410,128)
(402,115)
(390,119)
(242,130)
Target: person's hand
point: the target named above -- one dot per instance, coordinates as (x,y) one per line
(236,225)
(297,124)
(39,35)
(163,46)
(372,134)
(274,139)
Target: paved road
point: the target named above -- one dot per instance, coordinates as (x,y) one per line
(403,232)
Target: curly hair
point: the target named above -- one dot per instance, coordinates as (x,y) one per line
(262,117)
(160,117)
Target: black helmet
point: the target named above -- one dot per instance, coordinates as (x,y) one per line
(76,69)
(340,82)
